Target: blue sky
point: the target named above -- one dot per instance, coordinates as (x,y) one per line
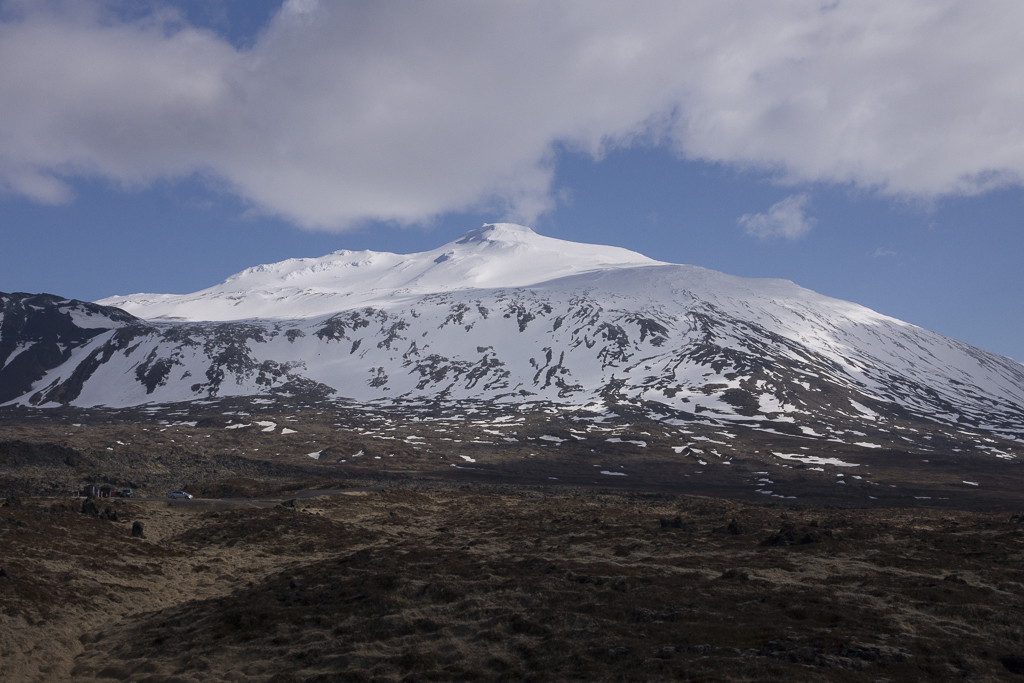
(913,209)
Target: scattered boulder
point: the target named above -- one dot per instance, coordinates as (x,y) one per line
(137,531)
(675,523)
(735,575)
(6,575)
(784,536)
(89,507)
(736,528)
(1013,663)
(733,528)
(109,514)
(810,537)
(788,535)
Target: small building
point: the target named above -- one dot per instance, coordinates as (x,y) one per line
(103,491)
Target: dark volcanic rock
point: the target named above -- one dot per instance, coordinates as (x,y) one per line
(736,528)
(1013,663)
(788,535)
(784,536)
(44,328)
(676,523)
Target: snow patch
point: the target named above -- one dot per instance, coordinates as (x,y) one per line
(642,444)
(814,460)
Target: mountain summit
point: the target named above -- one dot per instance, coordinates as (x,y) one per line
(494,256)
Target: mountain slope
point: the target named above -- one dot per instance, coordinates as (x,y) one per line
(481,319)
(41,332)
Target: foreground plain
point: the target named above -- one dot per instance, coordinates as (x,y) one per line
(489,543)
(469,582)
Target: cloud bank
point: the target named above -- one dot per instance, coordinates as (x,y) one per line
(341,112)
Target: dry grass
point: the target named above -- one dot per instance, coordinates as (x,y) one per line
(467,583)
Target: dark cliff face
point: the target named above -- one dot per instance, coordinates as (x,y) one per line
(39,332)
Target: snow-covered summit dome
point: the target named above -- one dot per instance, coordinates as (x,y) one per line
(495,255)
(508,232)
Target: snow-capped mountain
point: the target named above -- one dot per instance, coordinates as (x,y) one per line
(504,314)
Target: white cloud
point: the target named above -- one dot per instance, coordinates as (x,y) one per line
(300,6)
(346,111)
(883,253)
(784,219)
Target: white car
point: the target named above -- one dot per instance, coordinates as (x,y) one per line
(179,494)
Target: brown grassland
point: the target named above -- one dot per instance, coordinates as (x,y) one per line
(527,546)
(441,582)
